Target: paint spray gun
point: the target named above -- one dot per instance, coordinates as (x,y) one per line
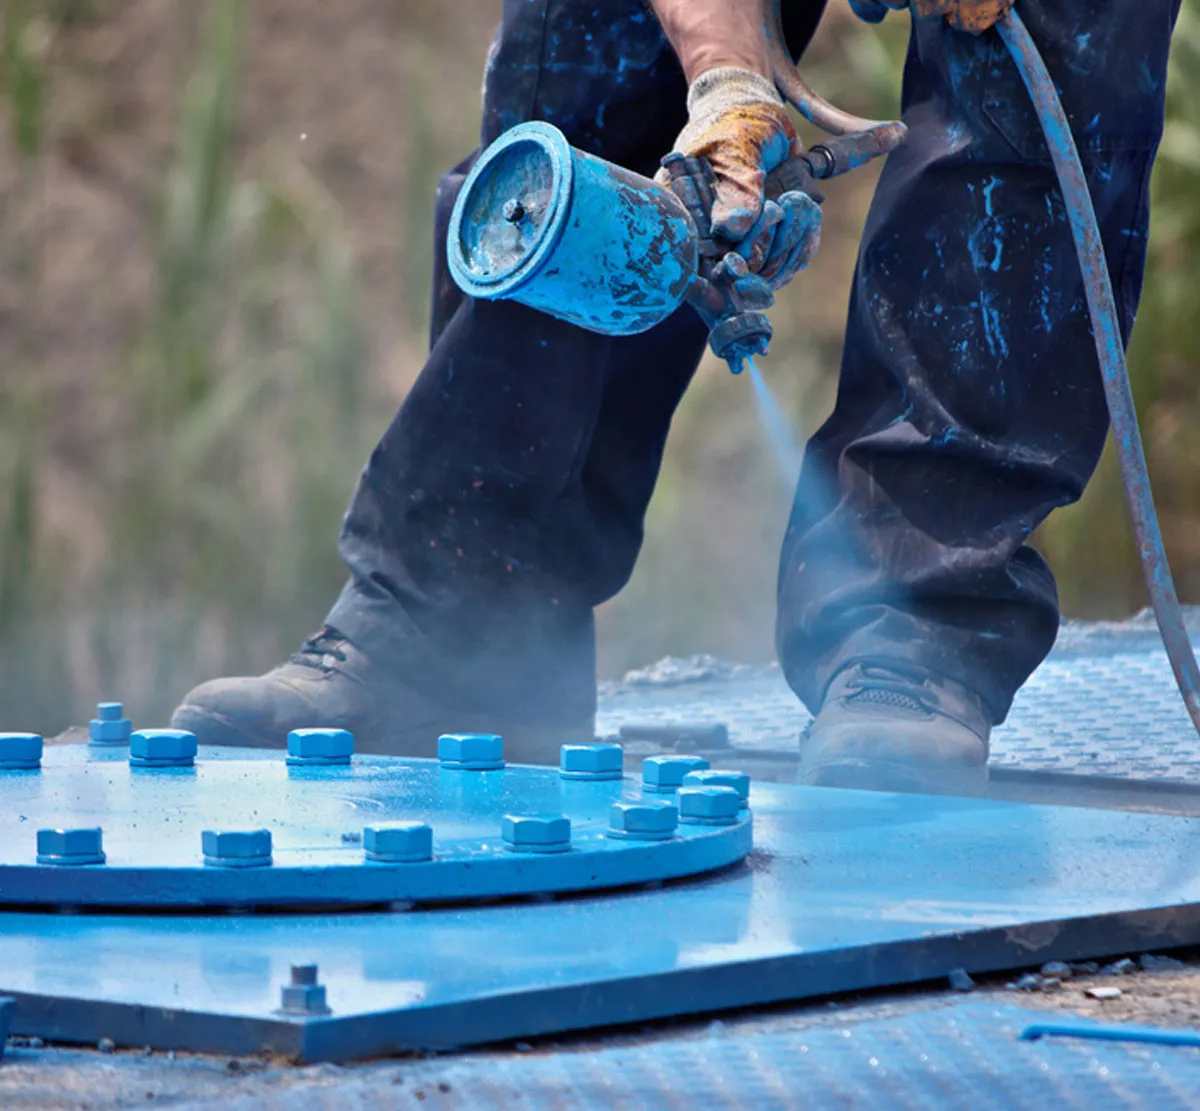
(586,241)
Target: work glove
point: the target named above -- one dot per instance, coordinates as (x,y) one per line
(975,16)
(738,122)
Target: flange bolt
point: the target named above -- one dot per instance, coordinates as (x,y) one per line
(162,748)
(536,835)
(720,777)
(321,748)
(650,820)
(398,843)
(591,761)
(20,751)
(303,996)
(472,752)
(70,847)
(709,806)
(236,848)
(664,774)
(110,726)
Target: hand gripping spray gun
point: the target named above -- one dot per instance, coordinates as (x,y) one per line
(592,243)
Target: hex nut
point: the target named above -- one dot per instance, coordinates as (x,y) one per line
(720,777)
(303,995)
(709,806)
(398,843)
(536,835)
(303,999)
(663,774)
(319,747)
(72,847)
(591,761)
(649,820)
(236,848)
(20,751)
(109,726)
(162,748)
(475,752)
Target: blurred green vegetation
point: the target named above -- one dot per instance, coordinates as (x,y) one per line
(171,489)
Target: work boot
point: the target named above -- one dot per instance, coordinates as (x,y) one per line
(330,683)
(885,726)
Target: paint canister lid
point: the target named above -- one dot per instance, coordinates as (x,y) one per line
(511,210)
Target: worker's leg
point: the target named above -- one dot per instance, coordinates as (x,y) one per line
(970,403)
(506,499)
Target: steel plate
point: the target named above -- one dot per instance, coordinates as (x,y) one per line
(846,890)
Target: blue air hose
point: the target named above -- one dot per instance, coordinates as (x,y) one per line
(1111,351)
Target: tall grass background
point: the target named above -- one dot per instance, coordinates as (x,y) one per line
(173,473)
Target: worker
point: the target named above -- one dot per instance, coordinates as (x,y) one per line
(506,500)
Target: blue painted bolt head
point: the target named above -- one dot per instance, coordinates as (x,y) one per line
(398,843)
(649,820)
(720,777)
(709,806)
(162,748)
(476,752)
(236,848)
(593,761)
(321,747)
(665,773)
(70,846)
(20,751)
(536,835)
(109,726)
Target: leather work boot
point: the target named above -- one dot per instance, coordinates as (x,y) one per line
(330,683)
(884,726)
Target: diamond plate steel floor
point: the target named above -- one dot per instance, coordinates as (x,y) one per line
(960,1056)
(1103,704)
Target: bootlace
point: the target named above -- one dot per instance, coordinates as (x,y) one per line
(315,648)
(882,686)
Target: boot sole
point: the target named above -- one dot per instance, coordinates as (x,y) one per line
(523,744)
(863,775)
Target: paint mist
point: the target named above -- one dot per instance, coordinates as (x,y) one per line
(785,448)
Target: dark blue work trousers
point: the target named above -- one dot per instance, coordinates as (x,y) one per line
(507,498)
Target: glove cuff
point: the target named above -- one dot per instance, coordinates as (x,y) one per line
(717,90)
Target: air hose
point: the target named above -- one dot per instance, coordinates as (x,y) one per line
(1110,350)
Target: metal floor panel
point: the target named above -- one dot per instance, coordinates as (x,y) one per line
(846,890)
(966,1056)
(1103,704)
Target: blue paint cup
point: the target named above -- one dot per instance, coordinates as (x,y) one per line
(561,231)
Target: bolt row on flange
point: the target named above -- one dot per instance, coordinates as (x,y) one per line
(703,796)
(412,842)
(333,747)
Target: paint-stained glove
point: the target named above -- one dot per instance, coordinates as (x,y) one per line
(738,122)
(975,16)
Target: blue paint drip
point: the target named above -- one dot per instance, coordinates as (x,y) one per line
(782,441)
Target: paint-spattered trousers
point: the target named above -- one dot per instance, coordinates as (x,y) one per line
(507,499)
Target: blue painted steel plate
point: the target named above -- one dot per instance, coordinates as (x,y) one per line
(7,1006)
(152,821)
(845,890)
